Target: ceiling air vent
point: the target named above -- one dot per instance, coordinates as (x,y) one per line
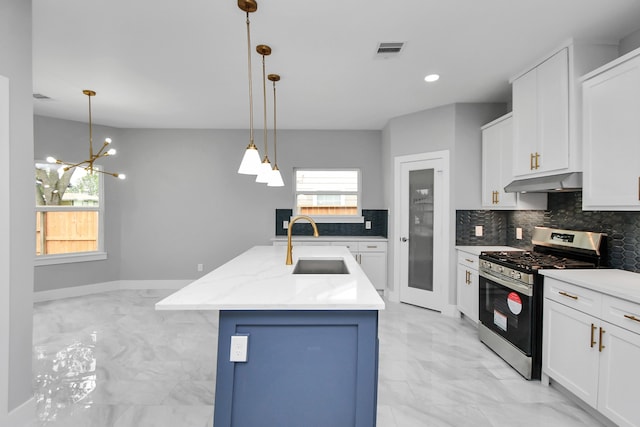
(388,49)
(40,96)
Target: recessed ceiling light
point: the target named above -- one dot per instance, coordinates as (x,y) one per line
(431,78)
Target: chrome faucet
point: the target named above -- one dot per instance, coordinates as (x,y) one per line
(293,220)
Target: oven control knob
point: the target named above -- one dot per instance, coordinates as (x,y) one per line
(501,269)
(518,275)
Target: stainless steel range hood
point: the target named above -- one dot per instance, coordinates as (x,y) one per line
(547,184)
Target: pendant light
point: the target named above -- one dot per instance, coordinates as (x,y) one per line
(92,156)
(275,179)
(265,167)
(251,160)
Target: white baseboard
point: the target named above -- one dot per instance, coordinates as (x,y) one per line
(450,310)
(77,291)
(23,415)
(392,295)
(153,284)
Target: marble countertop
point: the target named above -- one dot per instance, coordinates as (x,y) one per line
(330,238)
(475,250)
(617,283)
(258,279)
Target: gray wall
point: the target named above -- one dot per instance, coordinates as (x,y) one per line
(18,245)
(183,203)
(69,140)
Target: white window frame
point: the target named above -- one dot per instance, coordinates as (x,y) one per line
(99,253)
(355,218)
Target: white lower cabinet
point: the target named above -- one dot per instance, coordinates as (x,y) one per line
(372,257)
(591,346)
(467,285)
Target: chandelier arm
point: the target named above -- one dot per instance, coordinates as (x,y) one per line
(71,165)
(100,152)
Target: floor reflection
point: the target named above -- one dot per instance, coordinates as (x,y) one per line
(64,380)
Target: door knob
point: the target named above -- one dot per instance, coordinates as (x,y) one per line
(403,239)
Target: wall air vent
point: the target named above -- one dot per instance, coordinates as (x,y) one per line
(389,49)
(40,96)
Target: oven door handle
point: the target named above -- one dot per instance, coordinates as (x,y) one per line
(523,289)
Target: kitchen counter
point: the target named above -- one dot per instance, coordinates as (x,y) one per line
(258,279)
(617,283)
(290,347)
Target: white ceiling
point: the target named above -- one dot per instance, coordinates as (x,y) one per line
(183,64)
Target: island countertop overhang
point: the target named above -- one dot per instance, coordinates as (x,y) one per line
(258,279)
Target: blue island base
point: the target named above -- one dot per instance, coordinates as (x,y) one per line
(304,368)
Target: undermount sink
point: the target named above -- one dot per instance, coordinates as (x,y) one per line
(320,266)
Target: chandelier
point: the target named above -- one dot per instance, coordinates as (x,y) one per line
(88,165)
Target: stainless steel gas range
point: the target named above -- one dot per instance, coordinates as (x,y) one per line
(511,292)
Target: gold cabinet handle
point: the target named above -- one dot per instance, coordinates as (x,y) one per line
(600,345)
(567,295)
(639,188)
(497,197)
(469,260)
(593,329)
(466,277)
(537,156)
(531,157)
(632,317)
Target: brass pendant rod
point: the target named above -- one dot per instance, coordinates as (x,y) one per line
(250,81)
(264,96)
(275,144)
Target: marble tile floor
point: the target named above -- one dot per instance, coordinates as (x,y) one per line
(110,359)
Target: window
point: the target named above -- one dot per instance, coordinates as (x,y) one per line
(69,215)
(327,193)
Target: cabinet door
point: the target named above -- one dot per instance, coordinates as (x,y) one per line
(467,284)
(525,122)
(569,355)
(541,117)
(496,165)
(374,265)
(553,113)
(612,139)
(619,376)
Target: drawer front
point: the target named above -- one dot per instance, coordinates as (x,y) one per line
(625,314)
(372,246)
(351,245)
(468,260)
(573,296)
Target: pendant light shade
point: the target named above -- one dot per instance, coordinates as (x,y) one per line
(250,164)
(265,168)
(275,180)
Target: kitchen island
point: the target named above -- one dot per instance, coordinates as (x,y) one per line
(311,339)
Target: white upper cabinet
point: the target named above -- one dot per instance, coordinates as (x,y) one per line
(497,146)
(546,110)
(541,112)
(611,115)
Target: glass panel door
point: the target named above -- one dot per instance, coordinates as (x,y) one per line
(421,196)
(422,254)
